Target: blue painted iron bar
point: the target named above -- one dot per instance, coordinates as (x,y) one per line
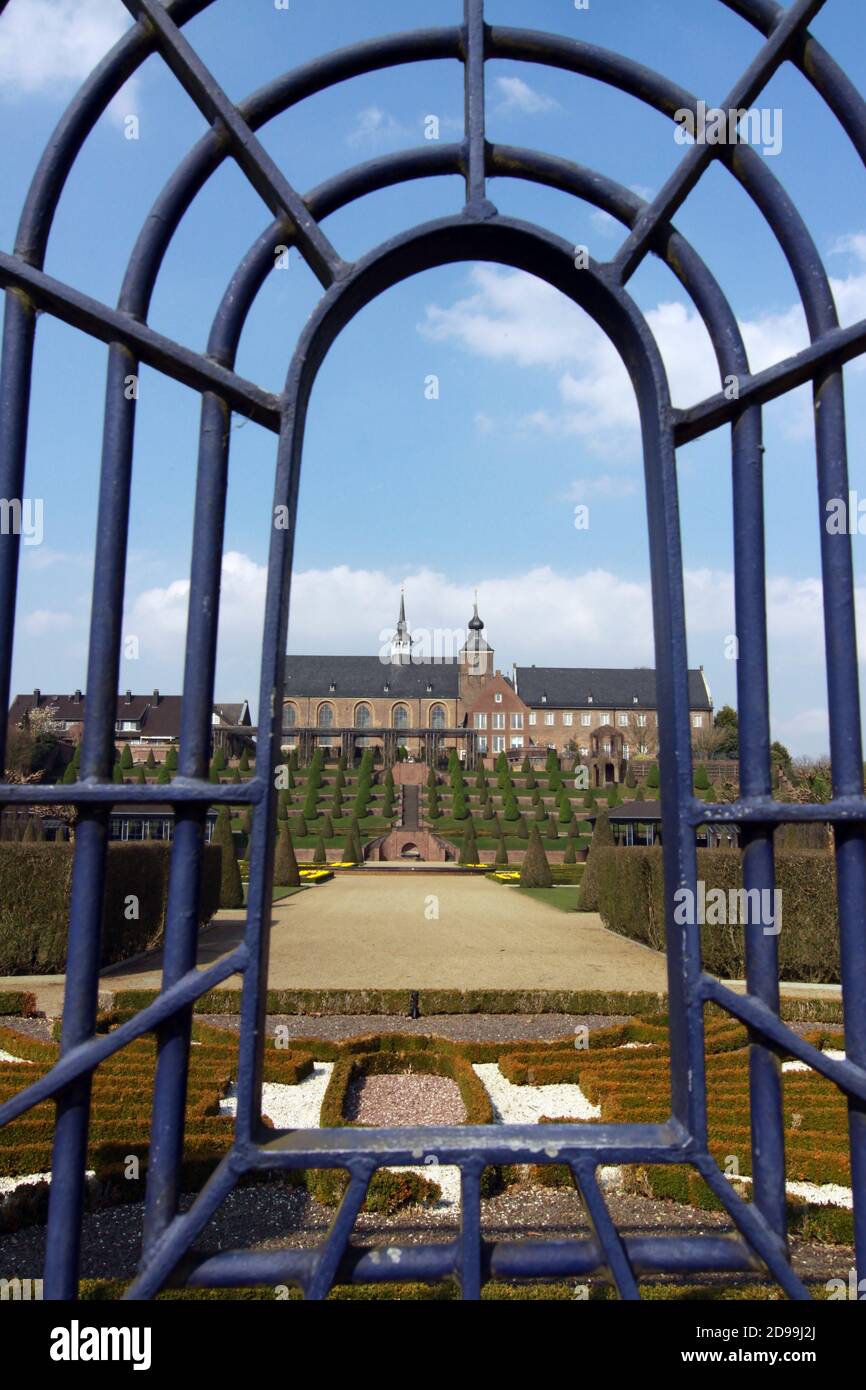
(159,1262)
(270,101)
(474,36)
(515,1259)
(829,80)
(555,1143)
(606,1237)
(835,347)
(768,812)
(846,756)
(263,173)
(752,1224)
(109,325)
(645,1255)
(766,1116)
(77,122)
(181,935)
(268,754)
(72,1122)
(469,1242)
(89,1054)
(681,182)
(328,1256)
(19,327)
(84,945)
(109,794)
(849,1076)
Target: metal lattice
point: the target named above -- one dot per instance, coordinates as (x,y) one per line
(478,233)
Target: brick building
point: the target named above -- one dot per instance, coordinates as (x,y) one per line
(428,705)
(146,723)
(604,716)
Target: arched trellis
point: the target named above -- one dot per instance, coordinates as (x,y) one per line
(479,233)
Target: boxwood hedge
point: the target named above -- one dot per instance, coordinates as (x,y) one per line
(35,884)
(631,902)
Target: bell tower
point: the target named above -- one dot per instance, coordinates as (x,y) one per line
(475,659)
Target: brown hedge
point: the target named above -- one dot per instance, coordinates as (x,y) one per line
(631,902)
(35,886)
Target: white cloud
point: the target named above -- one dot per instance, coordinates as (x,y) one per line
(603,486)
(854,243)
(374,126)
(42,621)
(517,95)
(591,618)
(510,316)
(47,45)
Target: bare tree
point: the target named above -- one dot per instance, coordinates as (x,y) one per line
(706,742)
(643,738)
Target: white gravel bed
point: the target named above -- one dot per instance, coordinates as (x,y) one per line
(525,1105)
(8,1185)
(7,1057)
(823,1194)
(289,1107)
(804,1066)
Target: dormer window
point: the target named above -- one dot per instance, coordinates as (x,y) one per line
(429,688)
(332,687)
(386,688)
(544,699)
(589,699)
(634,699)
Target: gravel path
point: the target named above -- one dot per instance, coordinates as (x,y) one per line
(274,1215)
(405,1099)
(459,1027)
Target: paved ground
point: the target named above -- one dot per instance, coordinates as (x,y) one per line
(381,933)
(378,933)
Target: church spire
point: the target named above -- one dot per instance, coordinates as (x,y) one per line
(401,642)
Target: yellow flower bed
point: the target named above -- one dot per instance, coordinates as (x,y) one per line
(319,875)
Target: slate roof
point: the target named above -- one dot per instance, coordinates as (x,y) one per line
(365,677)
(569,687)
(158,715)
(233,714)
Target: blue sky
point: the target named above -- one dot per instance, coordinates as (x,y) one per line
(534,414)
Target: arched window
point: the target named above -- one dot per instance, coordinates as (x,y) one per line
(363,717)
(437,717)
(400,717)
(290,716)
(325,717)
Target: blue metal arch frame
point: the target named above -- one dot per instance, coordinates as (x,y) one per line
(480,233)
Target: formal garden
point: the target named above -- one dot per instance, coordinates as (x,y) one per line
(617,1074)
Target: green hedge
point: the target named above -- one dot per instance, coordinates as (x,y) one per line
(631,902)
(35,885)
(396,1003)
(16,1003)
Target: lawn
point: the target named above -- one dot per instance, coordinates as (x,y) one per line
(564,897)
(282,892)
